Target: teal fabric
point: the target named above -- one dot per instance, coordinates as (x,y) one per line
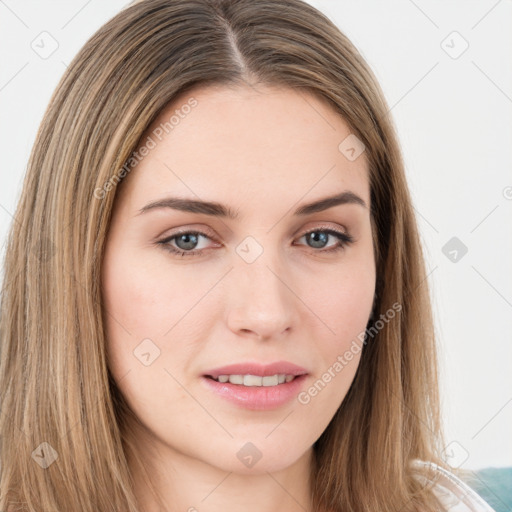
(494,485)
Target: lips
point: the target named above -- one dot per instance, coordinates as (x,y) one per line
(262,370)
(256,386)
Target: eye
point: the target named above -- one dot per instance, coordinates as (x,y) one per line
(185,243)
(319,237)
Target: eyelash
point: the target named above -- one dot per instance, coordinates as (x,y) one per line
(344,239)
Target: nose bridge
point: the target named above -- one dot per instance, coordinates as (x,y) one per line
(260,298)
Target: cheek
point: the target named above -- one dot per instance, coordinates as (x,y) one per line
(352,302)
(140,308)
(132,302)
(146,307)
(343,300)
(144,299)
(346,314)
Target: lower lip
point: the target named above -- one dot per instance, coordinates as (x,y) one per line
(257,397)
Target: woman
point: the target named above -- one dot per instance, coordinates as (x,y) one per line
(214,294)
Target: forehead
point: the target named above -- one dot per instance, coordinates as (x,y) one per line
(246,145)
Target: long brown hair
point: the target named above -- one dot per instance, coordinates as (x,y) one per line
(57,396)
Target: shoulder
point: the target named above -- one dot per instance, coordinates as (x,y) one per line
(453,493)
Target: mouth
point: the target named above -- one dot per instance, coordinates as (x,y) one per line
(256,386)
(255,392)
(249,380)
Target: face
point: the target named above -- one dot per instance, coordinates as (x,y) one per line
(259,279)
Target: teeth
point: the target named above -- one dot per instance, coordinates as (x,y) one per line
(255,380)
(272,380)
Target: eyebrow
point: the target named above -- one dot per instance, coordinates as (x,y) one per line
(219,210)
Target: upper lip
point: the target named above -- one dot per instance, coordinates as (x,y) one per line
(264,370)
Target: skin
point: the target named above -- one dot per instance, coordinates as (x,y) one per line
(264,153)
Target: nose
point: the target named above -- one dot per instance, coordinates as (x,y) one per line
(261,300)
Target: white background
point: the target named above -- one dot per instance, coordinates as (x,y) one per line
(453,117)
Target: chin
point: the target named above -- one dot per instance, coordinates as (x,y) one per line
(252,458)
